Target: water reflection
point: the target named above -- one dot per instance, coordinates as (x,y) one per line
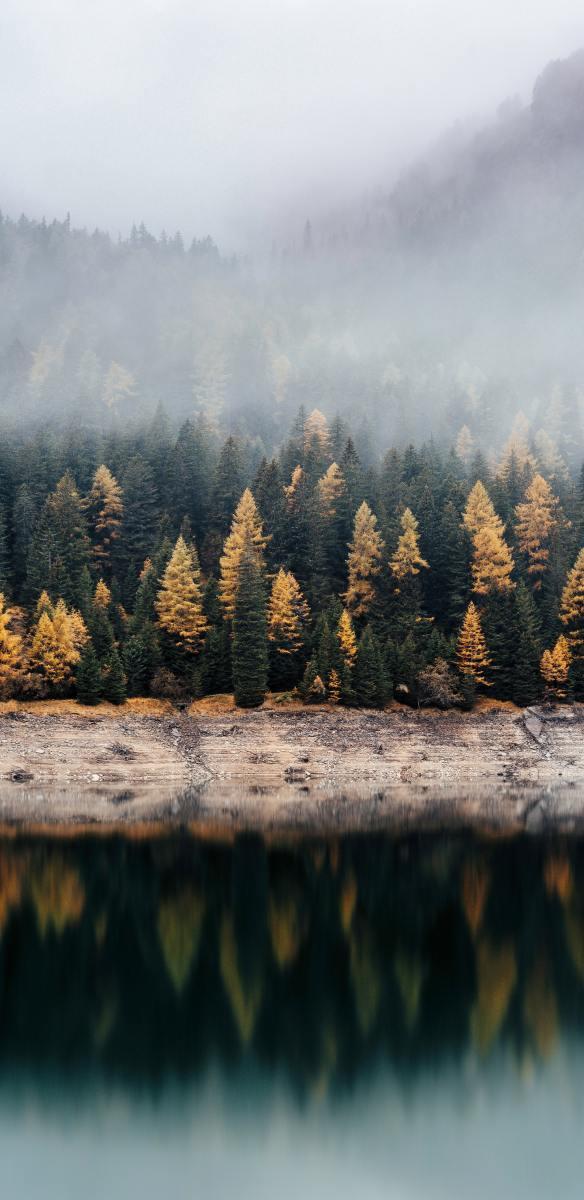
(355,977)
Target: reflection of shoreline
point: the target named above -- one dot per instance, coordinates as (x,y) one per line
(220,810)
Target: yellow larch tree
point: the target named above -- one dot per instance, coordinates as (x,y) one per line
(492,563)
(364,562)
(572,607)
(407,560)
(179,603)
(537,520)
(347,638)
(316,430)
(246,535)
(517,448)
(58,638)
(105,511)
(555,667)
(330,489)
(471,650)
(464,444)
(180,924)
(288,614)
(102,595)
(291,489)
(11,650)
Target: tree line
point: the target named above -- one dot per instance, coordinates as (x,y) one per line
(145,563)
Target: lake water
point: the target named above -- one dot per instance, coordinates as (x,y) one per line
(362,1016)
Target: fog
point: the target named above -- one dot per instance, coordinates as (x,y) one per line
(436,150)
(229,118)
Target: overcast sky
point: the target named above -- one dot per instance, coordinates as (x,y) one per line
(218,115)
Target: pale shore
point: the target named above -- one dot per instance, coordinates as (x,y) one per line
(289,767)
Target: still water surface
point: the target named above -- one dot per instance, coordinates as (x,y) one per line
(364,1016)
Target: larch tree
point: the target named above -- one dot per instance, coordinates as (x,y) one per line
(537,521)
(316,431)
(407,561)
(179,603)
(555,668)
(11,650)
(572,606)
(58,639)
(492,563)
(347,638)
(364,562)
(246,536)
(288,614)
(572,618)
(105,512)
(471,650)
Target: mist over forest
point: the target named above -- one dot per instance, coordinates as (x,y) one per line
(453,299)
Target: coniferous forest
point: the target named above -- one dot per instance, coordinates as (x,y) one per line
(177,564)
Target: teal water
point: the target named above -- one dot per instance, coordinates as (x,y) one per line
(361,1016)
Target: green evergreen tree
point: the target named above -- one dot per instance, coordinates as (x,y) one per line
(250,646)
(113,679)
(88,680)
(528,649)
(369,681)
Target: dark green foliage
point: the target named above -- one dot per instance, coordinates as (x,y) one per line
(527,684)
(370,684)
(249,652)
(88,678)
(113,679)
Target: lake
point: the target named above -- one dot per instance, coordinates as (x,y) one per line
(374,1015)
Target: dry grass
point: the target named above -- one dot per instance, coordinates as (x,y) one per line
(141,706)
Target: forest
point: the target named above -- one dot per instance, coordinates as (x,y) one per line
(177,565)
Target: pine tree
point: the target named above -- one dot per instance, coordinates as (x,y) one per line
(227,486)
(246,537)
(555,668)
(364,562)
(11,650)
(492,564)
(139,524)
(105,511)
(369,677)
(113,679)
(471,651)
(249,647)
(537,521)
(526,686)
(88,677)
(59,551)
(179,603)
(24,516)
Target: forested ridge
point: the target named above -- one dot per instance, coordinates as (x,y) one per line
(151,563)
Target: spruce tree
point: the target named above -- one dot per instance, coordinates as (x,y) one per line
(526,687)
(250,654)
(113,679)
(369,682)
(88,683)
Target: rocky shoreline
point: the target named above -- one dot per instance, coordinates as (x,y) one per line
(129,765)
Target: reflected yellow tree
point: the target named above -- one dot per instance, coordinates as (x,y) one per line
(180,923)
(56,892)
(245,998)
(496,978)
